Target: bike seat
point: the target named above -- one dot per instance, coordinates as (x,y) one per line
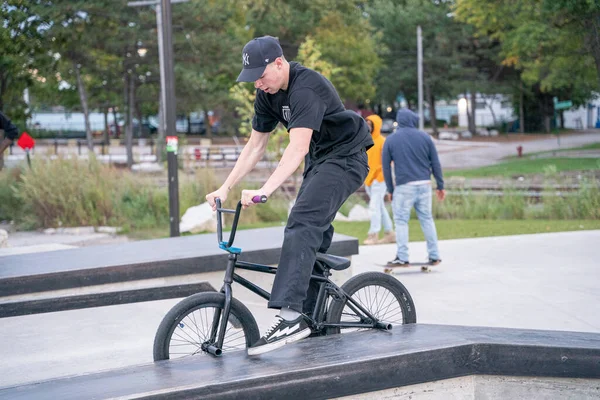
(334,262)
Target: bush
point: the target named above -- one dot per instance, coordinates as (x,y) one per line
(10,206)
(71,193)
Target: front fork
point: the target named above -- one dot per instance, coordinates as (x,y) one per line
(215,344)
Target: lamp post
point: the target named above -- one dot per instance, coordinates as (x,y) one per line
(420,75)
(167,103)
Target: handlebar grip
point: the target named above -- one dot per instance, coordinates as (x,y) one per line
(259,199)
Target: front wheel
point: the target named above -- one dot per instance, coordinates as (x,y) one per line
(188,325)
(382,295)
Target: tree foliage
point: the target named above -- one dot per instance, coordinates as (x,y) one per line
(87,55)
(543,39)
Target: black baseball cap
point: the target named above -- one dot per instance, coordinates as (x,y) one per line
(257,54)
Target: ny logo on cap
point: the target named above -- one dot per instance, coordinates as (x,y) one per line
(245,59)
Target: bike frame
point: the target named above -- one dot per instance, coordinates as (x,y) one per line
(326,289)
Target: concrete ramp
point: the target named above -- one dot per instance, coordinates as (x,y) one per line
(411,361)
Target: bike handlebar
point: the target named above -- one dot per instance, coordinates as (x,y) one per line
(259,199)
(236,212)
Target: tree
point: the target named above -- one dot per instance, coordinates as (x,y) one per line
(444,64)
(545,42)
(22,55)
(338,27)
(207,59)
(349,46)
(582,19)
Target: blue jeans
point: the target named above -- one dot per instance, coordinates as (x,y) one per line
(377,209)
(405,198)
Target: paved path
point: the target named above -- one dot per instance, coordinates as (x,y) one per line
(542,281)
(465,154)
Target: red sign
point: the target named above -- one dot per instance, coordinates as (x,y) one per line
(26,142)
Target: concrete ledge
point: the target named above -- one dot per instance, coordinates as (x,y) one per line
(148,259)
(488,387)
(342,365)
(108,298)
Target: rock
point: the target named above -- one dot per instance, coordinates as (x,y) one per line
(200,218)
(147,167)
(112,230)
(466,135)
(78,230)
(359,213)
(50,231)
(483,132)
(494,132)
(3,238)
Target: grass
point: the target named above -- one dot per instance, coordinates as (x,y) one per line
(591,146)
(459,229)
(525,166)
(447,229)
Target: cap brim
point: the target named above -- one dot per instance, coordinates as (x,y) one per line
(251,74)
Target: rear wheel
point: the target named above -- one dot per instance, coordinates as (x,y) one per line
(382,295)
(188,325)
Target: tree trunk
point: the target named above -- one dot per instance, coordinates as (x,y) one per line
(84,106)
(474,113)
(592,40)
(138,113)
(433,114)
(489,102)
(522,110)
(116,122)
(106,127)
(129,129)
(3,84)
(547,106)
(207,123)
(471,114)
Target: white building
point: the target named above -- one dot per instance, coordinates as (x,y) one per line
(68,121)
(584,117)
(489,106)
(490,110)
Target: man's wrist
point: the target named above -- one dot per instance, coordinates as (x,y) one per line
(267,192)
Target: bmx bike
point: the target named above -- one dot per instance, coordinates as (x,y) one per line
(214,322)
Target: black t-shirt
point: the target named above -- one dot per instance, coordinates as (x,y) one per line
(311,101)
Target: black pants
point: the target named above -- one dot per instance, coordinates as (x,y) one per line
(325,188)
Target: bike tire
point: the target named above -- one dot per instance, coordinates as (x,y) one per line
(242,330)
(377,284)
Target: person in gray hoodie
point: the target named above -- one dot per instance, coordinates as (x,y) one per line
(415,158)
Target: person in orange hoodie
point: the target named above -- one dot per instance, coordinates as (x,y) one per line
(376,189)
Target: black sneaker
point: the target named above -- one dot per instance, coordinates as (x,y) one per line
(396,262)
(280,334)
(434,262)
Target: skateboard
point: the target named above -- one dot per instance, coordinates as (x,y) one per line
(395,269)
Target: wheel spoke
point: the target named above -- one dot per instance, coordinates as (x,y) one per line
(379,301)
(195,327)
